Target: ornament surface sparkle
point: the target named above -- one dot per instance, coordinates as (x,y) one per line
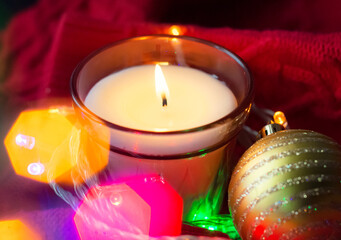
(288,186)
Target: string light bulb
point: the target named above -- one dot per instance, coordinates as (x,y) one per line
(280,118)
(175,30)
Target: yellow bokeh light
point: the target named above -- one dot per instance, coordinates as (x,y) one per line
(44,145)
(16,230)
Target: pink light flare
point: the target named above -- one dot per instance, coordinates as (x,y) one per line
(112,212)
(166,204)
(141,206)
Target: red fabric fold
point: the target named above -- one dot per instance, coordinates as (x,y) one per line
(296,72)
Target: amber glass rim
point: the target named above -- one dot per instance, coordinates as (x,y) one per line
(244,104)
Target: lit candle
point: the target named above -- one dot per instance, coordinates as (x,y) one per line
(127,98)
(187,98)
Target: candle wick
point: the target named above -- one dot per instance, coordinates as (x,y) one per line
(164,100)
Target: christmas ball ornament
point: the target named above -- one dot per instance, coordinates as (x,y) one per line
(288,186)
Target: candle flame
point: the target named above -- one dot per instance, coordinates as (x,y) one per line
(161,87)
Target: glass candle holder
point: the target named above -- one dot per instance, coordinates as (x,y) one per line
(195,161)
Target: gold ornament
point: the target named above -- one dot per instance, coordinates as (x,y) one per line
(288,186)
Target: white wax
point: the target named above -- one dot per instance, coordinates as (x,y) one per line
(127,98)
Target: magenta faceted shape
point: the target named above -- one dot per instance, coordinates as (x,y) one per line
(112,212)
(166,204)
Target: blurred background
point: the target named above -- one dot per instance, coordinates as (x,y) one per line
(296,15)
(9,8)
(270,17)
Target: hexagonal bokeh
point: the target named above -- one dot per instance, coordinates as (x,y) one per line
(141,205)
(44,145)
(112,212)
(17,230)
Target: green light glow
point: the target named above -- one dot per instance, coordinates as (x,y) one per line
(204,207)
(204,211)
(222,223)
